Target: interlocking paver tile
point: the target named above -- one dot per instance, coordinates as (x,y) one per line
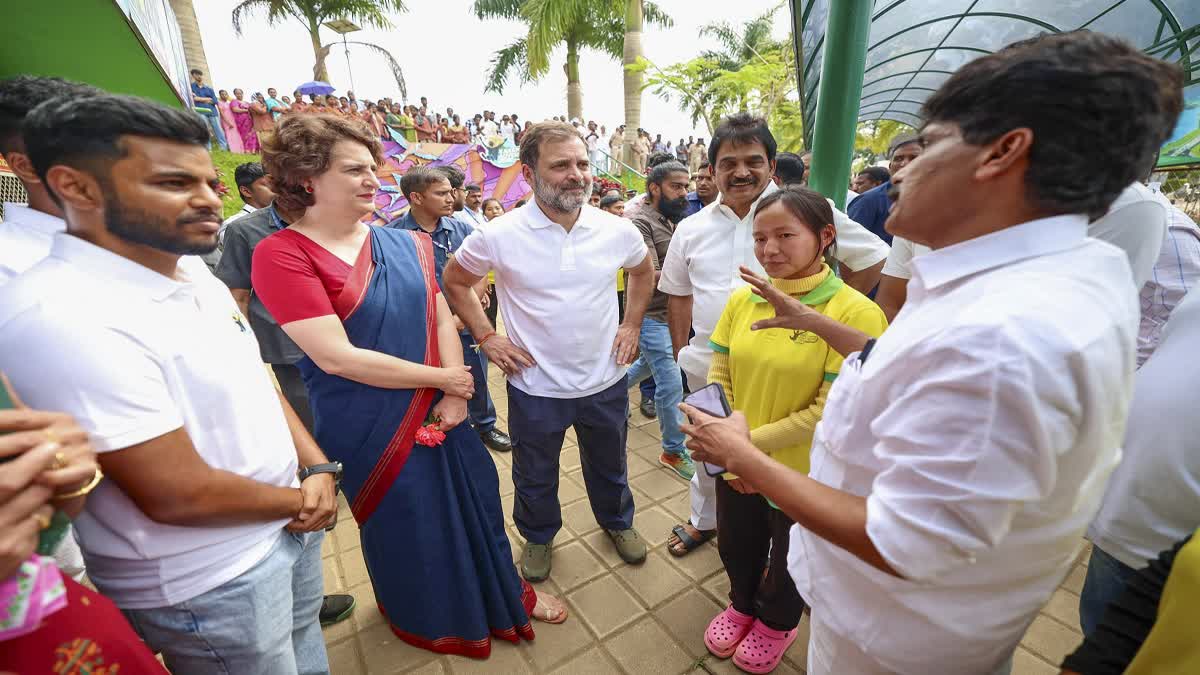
(354,568)
(654,580)
(659,484)
(569,490)
(331,571)
(700,563)
(574,565)
(343,659)
(346,534)
(366,610)
(605,606)
(1025,663)
(1050,639)
(646,649)
(1074,582)
(603,547)
(654,524)
(687,617)
(555,643)
(385,653)
(1064,606)
(579,517)
(592,662)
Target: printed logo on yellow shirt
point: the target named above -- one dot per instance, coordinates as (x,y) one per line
(804,337)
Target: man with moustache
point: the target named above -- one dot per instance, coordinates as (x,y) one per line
(871,207)
(706,189)
(124,328)
(565,353)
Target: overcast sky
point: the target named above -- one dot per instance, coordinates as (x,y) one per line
(446,52)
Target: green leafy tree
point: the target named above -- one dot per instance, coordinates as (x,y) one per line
(740,47)
(313,13)
(872,138)
(577,24)
(764,86)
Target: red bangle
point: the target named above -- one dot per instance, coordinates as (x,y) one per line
(485,338)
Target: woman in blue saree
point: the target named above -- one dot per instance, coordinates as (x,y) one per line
(383,357)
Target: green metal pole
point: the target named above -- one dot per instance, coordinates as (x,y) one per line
(838,97)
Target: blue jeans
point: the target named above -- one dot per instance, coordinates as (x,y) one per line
(480,408)
(657,358)
(1105,581)
(265,621)
(218,134)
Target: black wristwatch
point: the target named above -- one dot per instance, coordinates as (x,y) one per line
(334,468)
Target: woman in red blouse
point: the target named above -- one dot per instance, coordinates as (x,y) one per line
(383,361)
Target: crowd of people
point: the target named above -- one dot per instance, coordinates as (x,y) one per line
(240,125)
(901,420)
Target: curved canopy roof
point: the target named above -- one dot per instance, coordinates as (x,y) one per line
(915,45)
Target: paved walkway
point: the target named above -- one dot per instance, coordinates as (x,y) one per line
(637,620)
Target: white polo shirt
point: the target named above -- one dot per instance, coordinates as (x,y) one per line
(25,236)
(710,245)
(1153,499)
(981,429)
(556,293)
(1135,223)
(132,355)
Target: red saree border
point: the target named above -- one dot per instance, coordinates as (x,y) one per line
(357,283)
(457,646)
(395,456)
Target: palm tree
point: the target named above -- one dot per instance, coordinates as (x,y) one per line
(578,24)
(633,76)
(740,47)
(314,13)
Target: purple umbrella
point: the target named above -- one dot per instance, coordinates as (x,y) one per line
(319,88)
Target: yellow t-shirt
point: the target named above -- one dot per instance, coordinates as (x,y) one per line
(1171,647)
(776,373)
(620,280)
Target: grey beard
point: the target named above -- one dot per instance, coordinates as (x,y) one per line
(559,200)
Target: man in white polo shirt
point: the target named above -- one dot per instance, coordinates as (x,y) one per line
(701,270)
(202,532)
(962,454)
(565,354)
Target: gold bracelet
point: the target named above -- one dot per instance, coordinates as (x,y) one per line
(99,475)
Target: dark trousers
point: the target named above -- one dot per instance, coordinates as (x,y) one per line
(480,408)
(754,536)
(292,385)
(538,425)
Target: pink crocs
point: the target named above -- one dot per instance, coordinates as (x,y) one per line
(726,630)
(762,648)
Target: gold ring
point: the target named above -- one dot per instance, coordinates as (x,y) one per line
(60,461)
(96,478)
(51,435)
(42,521)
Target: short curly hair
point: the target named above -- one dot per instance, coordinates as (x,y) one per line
(300,149)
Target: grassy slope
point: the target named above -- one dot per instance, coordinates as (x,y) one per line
(226,163)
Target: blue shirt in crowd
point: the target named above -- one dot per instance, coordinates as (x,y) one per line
(447,237)
(870,209)
(204,91)
(694,204)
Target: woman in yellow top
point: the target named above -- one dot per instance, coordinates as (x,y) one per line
(779,379)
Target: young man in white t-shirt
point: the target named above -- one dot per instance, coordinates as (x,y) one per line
(565,353)
(202,532)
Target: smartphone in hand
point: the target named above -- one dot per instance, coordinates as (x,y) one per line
(710,399)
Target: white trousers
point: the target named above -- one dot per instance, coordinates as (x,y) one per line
(703,488)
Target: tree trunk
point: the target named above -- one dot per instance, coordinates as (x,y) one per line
(320,73)
(574,87)
(633,80)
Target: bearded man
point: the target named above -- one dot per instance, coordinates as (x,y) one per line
(565,354)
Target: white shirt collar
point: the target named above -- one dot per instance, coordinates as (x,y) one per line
(728,212)
(34,219)
(104,264)
(248,209)
(539,220)
(1019,242)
